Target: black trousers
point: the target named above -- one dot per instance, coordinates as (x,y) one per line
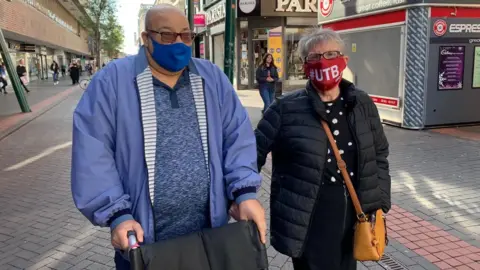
(5,83)
(26,89)
(330,239)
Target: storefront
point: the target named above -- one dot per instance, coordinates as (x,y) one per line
(274,27)
(416,58)
(215,21)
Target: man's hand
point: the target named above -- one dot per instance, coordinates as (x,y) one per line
(269,79)
(251,210)
(119,234)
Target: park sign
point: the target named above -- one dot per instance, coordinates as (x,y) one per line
(334,10)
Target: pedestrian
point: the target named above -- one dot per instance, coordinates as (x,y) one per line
(74,72)
(267,76)
(312,215)
(55,69)
(161,143)
(22,74)
(3,78)
(64,70)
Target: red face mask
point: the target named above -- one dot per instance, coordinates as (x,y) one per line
(325,74)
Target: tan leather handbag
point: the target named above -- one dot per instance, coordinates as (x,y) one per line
(370,236)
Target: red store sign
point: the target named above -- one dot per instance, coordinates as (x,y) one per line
(386,101)
(199,20)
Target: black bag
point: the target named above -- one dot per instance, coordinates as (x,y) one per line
(236,246)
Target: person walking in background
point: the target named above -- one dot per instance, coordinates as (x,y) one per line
(22,73)
(312,214)
(55,69)
(74,72)
(158,98)
(267,76)
(3,78)
(64,70)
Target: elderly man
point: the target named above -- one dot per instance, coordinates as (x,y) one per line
(161,142)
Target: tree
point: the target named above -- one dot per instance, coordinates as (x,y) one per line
(99,13)
(112,37)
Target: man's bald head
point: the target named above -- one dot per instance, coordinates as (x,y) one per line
(160,11)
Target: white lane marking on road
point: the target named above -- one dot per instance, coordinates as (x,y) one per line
(43,154)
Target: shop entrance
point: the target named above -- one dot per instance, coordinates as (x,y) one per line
(260,48)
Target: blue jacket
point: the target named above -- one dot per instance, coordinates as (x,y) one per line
(114,137)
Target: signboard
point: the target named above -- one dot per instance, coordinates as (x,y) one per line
(455,27)
(199,20)
(248,8)
(289,8)
(306,6)
(476,68)
(451,67)
(30,48)
(386,101)
(275,48)
(330,10)
(216,13)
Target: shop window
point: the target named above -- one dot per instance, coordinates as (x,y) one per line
(294,64)
(218,50)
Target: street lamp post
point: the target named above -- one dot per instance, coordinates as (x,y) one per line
(12,74)
(229,50)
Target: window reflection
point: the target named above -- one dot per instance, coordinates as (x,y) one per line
(294,62)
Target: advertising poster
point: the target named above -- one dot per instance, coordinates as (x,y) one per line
(275,47)
(451,67)
(476,67)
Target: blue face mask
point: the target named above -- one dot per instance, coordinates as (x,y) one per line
(172,57)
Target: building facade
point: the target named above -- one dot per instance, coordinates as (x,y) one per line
(418,59)
(141,21)
(40,31)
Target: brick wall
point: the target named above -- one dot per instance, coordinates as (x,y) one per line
(23,19)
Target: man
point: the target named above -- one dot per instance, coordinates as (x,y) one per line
(161,142)
(22,73)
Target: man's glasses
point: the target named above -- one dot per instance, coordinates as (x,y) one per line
(313,57)
(171,37)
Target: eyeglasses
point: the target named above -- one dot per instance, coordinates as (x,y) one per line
(313,57)
(170,37)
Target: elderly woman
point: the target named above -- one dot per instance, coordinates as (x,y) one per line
(312,216)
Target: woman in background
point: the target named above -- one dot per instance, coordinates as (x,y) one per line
(267,76)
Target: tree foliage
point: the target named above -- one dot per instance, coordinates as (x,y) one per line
(99,24)
(112,37)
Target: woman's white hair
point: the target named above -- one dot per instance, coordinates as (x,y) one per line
(318,36)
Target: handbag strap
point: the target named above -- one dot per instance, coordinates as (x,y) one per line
(343,169)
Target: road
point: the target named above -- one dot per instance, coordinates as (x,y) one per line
(435,222)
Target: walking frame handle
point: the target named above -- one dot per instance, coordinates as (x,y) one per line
(132,240)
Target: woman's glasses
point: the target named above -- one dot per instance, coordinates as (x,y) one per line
(313,57)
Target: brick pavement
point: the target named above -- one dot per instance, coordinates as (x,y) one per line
(434,188)
(41,229)
(43,95)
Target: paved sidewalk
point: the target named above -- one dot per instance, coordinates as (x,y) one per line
(43,95)
(433,225)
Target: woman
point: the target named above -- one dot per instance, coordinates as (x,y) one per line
(55,69)
(22,73)
(312,216)
(74,72)
(267,75)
